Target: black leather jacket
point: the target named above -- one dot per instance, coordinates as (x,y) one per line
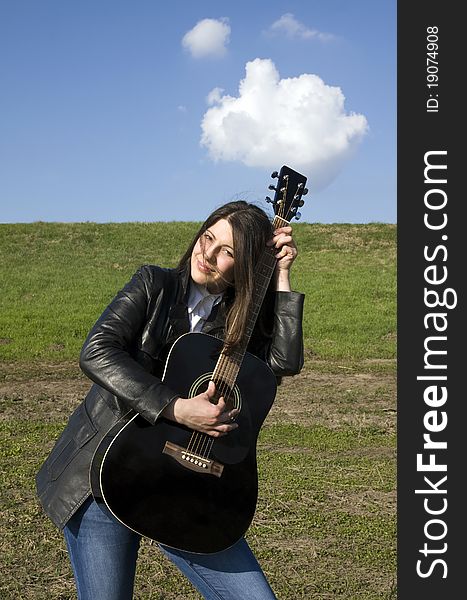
(124,355)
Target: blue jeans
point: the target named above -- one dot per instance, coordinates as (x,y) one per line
(103,555)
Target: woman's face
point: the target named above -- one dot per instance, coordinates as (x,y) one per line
(212,259)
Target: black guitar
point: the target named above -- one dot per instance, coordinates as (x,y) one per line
(177,486)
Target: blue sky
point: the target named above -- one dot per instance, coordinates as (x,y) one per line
(104,105)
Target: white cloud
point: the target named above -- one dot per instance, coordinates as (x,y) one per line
(298,121)
(288,25)
(214,96)
(208,37)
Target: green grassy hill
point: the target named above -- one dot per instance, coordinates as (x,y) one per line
(57,278)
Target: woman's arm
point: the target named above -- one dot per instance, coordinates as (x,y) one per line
(285,353)
(106,355)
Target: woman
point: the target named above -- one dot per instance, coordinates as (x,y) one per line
(124,355)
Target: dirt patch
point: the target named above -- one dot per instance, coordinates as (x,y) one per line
(51,391)
(329,399)
(334,400)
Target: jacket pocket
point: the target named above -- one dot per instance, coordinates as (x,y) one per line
(76,434)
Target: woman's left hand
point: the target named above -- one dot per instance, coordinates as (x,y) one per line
(287,250)
(286,254)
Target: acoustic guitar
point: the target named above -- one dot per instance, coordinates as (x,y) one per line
(180,487)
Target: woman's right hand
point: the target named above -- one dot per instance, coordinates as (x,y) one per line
(200,414)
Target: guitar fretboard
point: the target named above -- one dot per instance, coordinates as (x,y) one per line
(228,364)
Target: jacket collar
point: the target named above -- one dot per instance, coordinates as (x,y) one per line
(178,316)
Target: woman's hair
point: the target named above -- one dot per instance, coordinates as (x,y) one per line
(251,229)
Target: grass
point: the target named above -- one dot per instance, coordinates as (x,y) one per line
(325,526)
(346,271)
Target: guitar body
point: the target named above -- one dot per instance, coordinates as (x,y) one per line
(184,489)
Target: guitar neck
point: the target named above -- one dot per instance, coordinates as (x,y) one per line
(229,364)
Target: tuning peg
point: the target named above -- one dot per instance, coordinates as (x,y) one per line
(298,215)
(272,187)
(305,191)
(300,202)
(274,174)
(269,200)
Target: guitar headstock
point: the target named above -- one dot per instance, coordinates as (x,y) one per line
(289,189)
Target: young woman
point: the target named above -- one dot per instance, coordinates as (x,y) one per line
(124,355)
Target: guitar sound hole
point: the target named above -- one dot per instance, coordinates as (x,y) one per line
(231,396)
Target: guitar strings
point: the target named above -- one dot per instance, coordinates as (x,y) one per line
(201,443)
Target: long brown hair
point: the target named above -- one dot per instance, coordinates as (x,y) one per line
(251,229)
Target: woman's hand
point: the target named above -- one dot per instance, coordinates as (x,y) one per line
(286,254)
(200,414)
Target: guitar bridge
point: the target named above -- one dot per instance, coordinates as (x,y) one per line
(193,461)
